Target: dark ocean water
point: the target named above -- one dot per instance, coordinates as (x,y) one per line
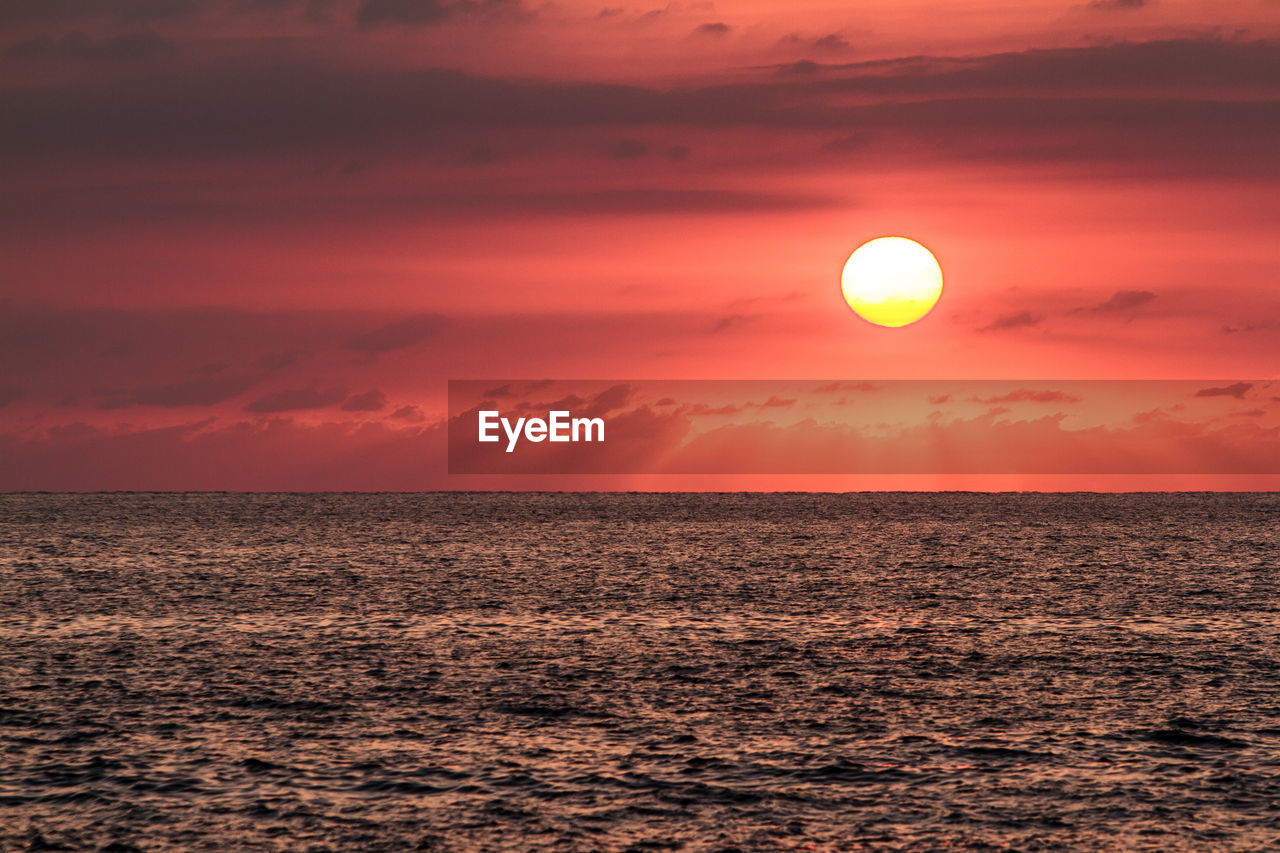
(643,672)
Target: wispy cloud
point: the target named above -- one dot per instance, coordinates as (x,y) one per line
(398,335)
(1014,320)
(1236,391)
(1120,302)
(1117,5)
(716,28)
(1027,395)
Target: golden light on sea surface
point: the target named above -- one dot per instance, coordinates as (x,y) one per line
(891,281)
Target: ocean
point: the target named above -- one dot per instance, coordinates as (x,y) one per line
(642,672)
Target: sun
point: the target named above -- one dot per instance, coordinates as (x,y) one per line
(891,281)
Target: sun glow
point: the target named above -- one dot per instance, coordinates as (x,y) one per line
(891,281)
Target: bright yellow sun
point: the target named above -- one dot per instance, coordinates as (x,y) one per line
(891,281)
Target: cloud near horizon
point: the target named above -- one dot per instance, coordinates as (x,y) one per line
(642,440)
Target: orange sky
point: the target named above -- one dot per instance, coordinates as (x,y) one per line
(247,243)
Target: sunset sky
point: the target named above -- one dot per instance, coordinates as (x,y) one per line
(246,243)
